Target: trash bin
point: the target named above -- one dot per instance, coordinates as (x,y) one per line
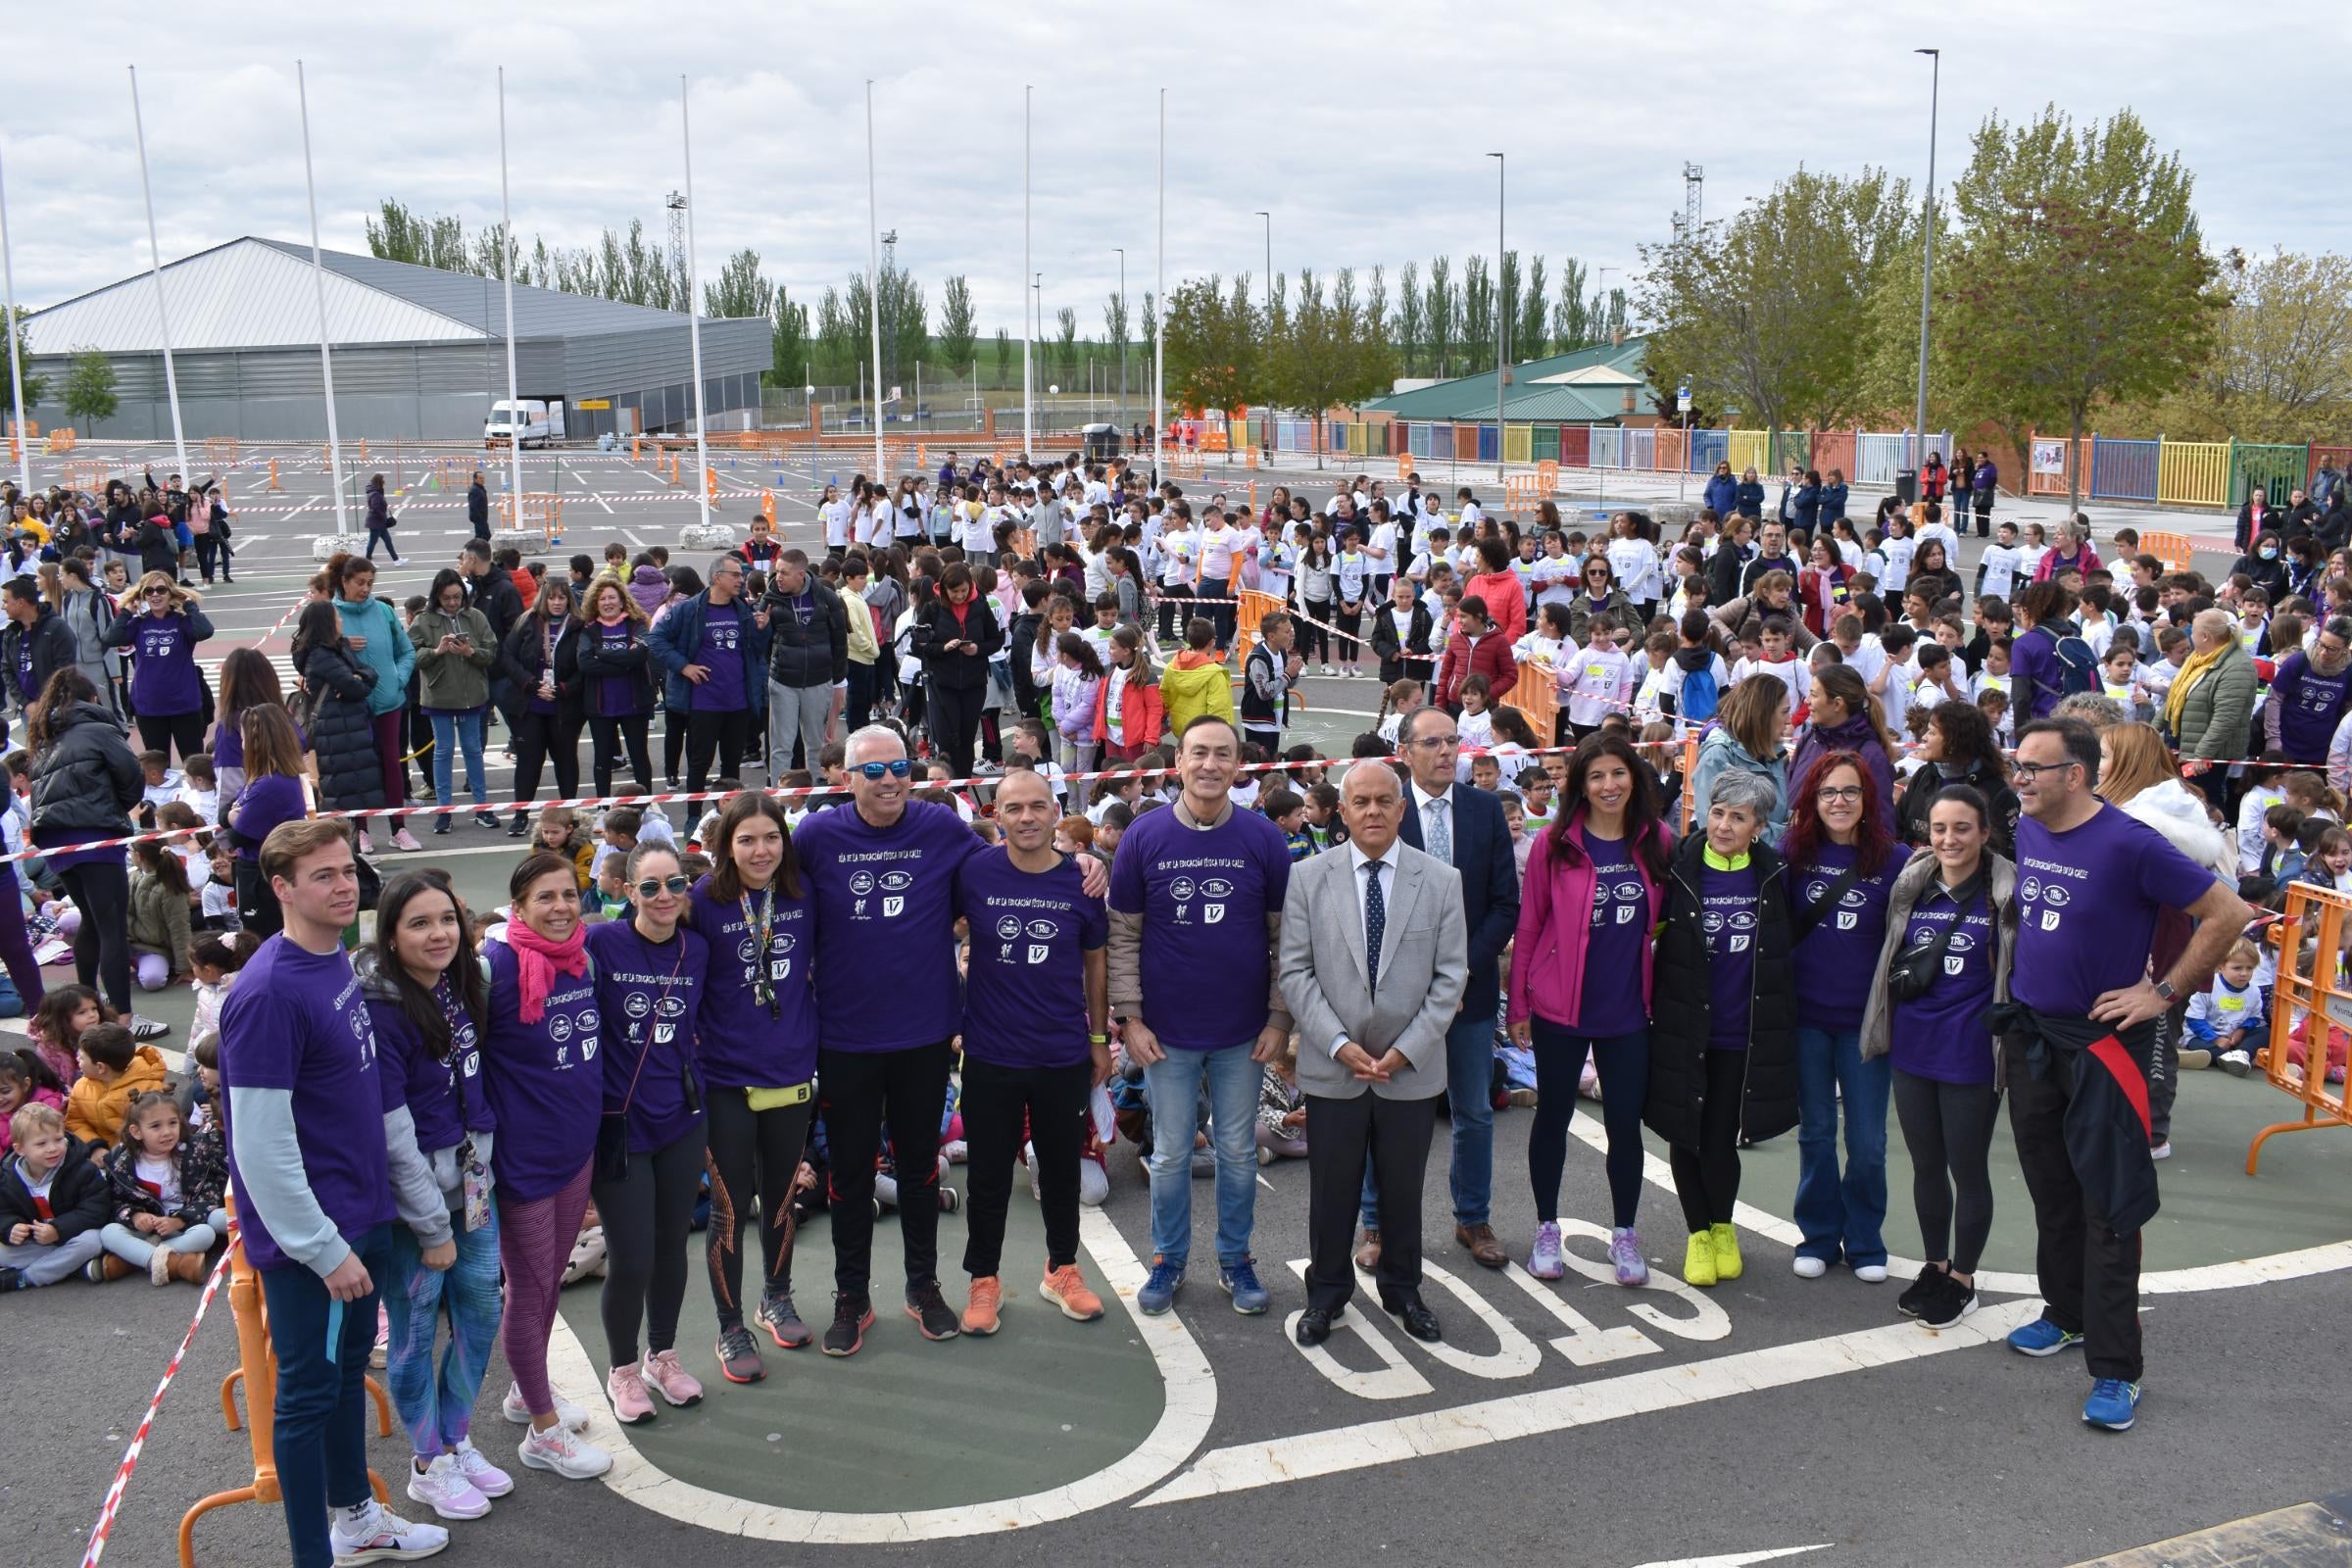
(1907,485)
(1101,441)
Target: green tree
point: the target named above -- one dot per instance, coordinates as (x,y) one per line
(959,327)
(739,290)
(1571,312)
(1213,344)
(839,337)
(788,343)
(398,234)
(1478,316)
(1065,346)
(1003,356)
(1330,352)
(90,387)
(1527,336)
(2281,366)
(2081,276)
(1440,319)
(1114,321)
(1406,332)
(36,387)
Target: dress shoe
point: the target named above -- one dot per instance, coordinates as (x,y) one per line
(1368,1252)
(1418,1320)
(1314,1325)
(1485,1247)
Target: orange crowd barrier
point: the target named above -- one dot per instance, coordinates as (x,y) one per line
(1547,477)
(1535,694)
(1521,492)
(220,451)
(1404,465)
(539,510)
(61,441)
(1254,609)
(2311,983)
(2174,550)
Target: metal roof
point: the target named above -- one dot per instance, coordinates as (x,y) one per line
(480,302)
(1537,384)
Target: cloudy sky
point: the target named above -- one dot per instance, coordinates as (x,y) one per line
(1362,126)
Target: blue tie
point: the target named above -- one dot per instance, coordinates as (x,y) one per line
(1376,920)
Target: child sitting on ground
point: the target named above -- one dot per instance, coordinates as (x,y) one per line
(2225,1019)
(53,1202)
(1281,1110)
(160,782)
(167,1192)
(24,1080)
(214,959)
(200,789)
(159,916)
(64,1014)
(114,1071)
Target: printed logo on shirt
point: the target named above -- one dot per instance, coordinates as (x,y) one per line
(1617,903)
(1009,928)
(893,907)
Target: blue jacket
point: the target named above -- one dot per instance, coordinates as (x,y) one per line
(1723,495)
(1833,503)
(1483,853)
(676,637)
(1750,502)
(389,656)
(1806,508)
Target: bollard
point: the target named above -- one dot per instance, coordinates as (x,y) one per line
(711,487)
(273,473)
(767,505)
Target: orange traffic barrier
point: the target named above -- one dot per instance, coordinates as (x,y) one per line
(1521,492)
(2174,550)
(767,505)
(61,441)
(257,1370)
(2311,985)
(1254,497)
(673,467)
(1253,457)
(1404,465)
(220,451)
(1535,694)
(273,484)
(711,487)
(540,510)
(636,449)
(1547,477)
(1254,609)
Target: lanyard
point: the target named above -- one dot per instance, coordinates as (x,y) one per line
(763,986)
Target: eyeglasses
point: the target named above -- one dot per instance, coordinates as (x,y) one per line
(2033,770)
(896,767)
(678,885)
(1434,743)
(1847,794)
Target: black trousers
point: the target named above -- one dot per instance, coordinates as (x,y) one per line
(674,743)
(754,1155)
(646,1216)
(172,732)
(860,705)
(1169,629)
(860,1090)
(956,725)
(1000,1103)
(1707,1178)
(385,535)
(102,946)
(1314,643)
(2089,1275)
(208,554)
(1340,1134)
(1948,1130)
(258,911)
(542,739)
(723,733)
(609,734)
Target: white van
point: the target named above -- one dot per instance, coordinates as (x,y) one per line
(537,423)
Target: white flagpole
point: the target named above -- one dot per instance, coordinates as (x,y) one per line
(1159,315)
(506,270)
(326,363)
(16,367)
(693,320)
(1028,446)
(873,287)
(155,256)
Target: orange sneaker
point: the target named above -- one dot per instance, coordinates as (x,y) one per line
(981,1313)
(1066,1289)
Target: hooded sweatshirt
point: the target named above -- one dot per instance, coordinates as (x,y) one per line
(1194,683)
(95,1112)
(1815,741)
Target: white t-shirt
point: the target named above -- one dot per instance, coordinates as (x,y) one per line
(1557,578)
(1217,544)
(836,514)
(2001,568)
(1636,563)
(1594,683)
(1353,570)
(979,533)
(1383,549)
(1789,673)
(162,1175)
(1178,550)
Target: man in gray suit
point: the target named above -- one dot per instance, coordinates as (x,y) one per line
(1375,952)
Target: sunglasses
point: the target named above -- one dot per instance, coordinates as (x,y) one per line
(896,767)
(652,886)
(159,593)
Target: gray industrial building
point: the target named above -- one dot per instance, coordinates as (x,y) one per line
(420,354)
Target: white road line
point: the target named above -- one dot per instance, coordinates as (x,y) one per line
(1739,1560)
(592,490)
(635,543)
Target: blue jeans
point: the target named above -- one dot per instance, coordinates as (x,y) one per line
(1840,1214)
(450,732)
(1470,1106)
(1174,1088)
(439,1411)
(320,1444)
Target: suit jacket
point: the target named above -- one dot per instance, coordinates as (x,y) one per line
(1482,852)
(1423,963)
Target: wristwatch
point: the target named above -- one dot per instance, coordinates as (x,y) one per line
(2164,988)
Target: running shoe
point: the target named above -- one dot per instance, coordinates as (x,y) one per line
(405,842)
(1951,1302)
(2112,1404)
(1699,1259)
(568,1416)
(666,1373)
(853,1315)
(488,1479)
(1240,1281)
(1809,1267)
(738,1357)
(2042,1337)
(1920,1294)
(563,1452)
(146,1028)
(374,1532)
(624,1385)
(984,1308)
(444,1487)
(1625,1251)
(2237,1064)
(1871,1273)
(2163,1151)
(1066,1289)
(929,1310)
(1544,1260)
(783,1324)
(1727,1251)
(1158,1292)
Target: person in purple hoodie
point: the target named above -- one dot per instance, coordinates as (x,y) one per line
(2309,694)
(161,626)
(2036,679)
(1843,717)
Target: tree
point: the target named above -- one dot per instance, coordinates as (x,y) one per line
(2081,276)
(36,387)
(1003,356)
(1213,344)
(90,387)
(739,289)
(1406,333)
(2281,366)
(1065,345)
(1440,318)
(1330,352)
(788,343)
(1478,316)
(1510,307)
(1114,321)
(398,234)
(837,341)
(1571,315)
(1527,335)
(959,327)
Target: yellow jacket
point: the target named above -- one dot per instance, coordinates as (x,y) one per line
(1194,684)
(95,1112)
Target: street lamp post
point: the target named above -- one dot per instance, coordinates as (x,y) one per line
(1122,250)
(1502,365)
(1927,266)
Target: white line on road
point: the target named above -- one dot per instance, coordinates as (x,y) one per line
(1739,1560)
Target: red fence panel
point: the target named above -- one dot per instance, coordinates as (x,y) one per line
(1575,446)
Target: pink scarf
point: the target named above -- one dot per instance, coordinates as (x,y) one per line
(537,962)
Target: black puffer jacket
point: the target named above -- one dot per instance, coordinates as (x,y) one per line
(1678,1029)
(86,779)
(818,654)
(632,663)
(523,660)
(937,626)
(1911,811)
(351,776)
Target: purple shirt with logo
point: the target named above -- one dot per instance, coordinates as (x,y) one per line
(1731,911)
(1024,996)
(2310,707)
(1612,990)
(1946,1034)
(1204,895)
(446,1099)
(2088,901)
(650,997)
(1834,962)
(745,1044)
(721,653)
(885,902)
(546,1083)
(617,695)
(163,674)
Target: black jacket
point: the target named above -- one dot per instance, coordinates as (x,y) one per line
(1021,637)
(523,660)
(79,1198)
(1682,1011)
(1385,646)
(935,627)
(495,594)
(1911,811)
(1725,569)
(1483,854)
(2106,1126)
(158,547)
(632,662)
(815,655)
(351,776)
(53,650)
(86,779)
(477,503)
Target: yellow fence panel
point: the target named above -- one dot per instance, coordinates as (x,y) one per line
(2193,474)
(1518,443)
(1750,449)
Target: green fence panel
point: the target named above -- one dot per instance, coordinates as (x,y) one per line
(2277,468)
(1791,449)
(1548,443)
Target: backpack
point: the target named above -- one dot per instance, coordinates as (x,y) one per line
(1699,697)
(2077,667)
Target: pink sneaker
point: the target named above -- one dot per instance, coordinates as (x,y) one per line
(677,1384)
(1624,1251)
(1544,1260)
(625,1388)
(406,841)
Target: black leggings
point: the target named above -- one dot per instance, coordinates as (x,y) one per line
(956,725)
(1624,1064)
(102,946)
(711,734)
(753,1154)
(1949,1129)
(1314,643)
(674,743)
(1347,622)
(546,738)
(997,1103)
(646,1215)
(609,734)
(1169,608)
(170,732)
(1707,1178)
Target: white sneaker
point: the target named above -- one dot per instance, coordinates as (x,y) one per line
(570,1416)
(488,1479)
(1810,1268)
(1327,669)
(2163,1151)
(146,1028)
(374,1532)
(366,844)
(1871,1273)
(443,1488)
(2237,1064)
(570,1456)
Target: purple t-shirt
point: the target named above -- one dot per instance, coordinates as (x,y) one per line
(546,1085)
(1024,989)
(2088,901)
(1611,998)
(1730,915)
(163,673)
(1204,895)
(265,803)
(721,653)
(24,667)
(296,1021)
(885,901)
(617,695)
(2310,707)
(2034,674)
(1946,1034)
(745,1043)
(1834,962)
(445,1098)
(650,995)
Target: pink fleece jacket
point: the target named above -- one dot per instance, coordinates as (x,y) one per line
(1556,919)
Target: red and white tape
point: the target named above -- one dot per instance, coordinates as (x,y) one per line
(138,1440)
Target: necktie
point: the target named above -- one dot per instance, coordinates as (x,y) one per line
(1376,920)
(1440,833)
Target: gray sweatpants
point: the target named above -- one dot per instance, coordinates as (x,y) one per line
(46,1265)
(795,712)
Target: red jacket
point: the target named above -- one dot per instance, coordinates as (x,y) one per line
(1506,602)
(1555,909)
(1140,714)
(1491,657)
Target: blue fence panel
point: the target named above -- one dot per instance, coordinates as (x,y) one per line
(1608,447)
(2124,471)
(1417,440)
(1490,443)
(1708,448)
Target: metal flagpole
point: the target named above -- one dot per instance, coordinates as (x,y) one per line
(1027,445)
(1159,313)
(326,363)
(16,367)
(505,269)
(694,319)
(873,258)
(154,257)
(1927,265)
